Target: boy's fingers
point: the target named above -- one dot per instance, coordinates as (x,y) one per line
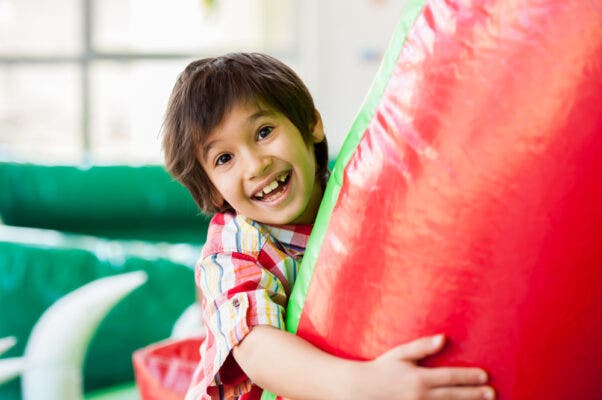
(435,377)
(418,349)
(462,393)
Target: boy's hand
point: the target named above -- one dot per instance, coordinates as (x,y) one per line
(292,367)
(396,375)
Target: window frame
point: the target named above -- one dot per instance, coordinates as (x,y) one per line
(86,57)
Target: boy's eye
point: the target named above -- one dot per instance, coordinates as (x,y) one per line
(223,159)
(264,132)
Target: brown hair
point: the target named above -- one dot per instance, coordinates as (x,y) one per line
(206,91)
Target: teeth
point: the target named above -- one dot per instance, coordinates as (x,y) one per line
(271,186)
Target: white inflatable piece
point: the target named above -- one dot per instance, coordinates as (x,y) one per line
(58,342)
(6,343)
(189,324)
(9,367)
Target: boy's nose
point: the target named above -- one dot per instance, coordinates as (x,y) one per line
(257,165)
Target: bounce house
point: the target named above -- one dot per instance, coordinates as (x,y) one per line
(85,252)
(465,201)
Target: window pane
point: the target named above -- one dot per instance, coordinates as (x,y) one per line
(128,105)
(39,113)
(40,27)
(190,26)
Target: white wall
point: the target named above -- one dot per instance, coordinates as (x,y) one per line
(340,48)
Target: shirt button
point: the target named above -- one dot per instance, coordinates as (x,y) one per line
(236,302)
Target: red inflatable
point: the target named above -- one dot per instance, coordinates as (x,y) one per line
(164,370)
(468,200)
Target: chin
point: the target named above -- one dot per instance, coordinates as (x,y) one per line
(282,219)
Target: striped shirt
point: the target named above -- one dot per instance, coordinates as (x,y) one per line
(245,274)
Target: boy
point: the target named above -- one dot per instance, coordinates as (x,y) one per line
(242,134)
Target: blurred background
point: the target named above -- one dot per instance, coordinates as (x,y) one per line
(97,242)
(88,80)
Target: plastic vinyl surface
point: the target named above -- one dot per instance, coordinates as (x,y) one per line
(38,267)
(111,201)
(164,370)
(471,204)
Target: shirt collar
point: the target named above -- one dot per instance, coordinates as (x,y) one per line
(292,235)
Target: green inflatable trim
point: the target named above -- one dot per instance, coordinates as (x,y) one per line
(410,13)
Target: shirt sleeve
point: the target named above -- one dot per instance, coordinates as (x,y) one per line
(237,293)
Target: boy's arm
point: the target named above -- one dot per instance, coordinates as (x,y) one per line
(292,367)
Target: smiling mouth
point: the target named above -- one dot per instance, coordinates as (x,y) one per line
(273,189)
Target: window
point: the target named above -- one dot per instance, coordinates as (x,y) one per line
(88,80)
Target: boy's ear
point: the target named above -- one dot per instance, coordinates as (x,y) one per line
(317,132)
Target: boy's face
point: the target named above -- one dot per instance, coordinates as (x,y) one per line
(259,163)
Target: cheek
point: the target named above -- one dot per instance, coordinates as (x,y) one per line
(222,192)
(309,176)
(311,164)
(217,192)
